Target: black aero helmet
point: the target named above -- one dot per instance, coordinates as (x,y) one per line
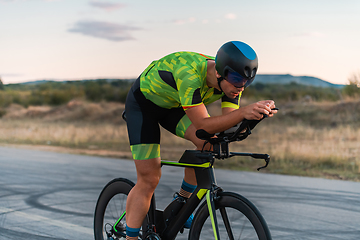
(237,62)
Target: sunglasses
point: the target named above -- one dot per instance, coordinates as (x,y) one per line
(236,79)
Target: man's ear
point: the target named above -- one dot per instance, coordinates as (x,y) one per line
(217,74)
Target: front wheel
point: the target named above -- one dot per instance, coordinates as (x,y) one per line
(237,218)
(110,211)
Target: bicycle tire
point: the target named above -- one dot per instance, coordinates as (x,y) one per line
(243,218)
(110,206)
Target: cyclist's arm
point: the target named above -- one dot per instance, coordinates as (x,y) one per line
(201,120)
(227,110)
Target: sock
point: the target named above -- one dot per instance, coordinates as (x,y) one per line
(186,189)
(132,232)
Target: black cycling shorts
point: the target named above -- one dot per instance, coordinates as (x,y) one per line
(143,118)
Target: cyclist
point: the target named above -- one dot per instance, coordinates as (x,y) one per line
(173,92)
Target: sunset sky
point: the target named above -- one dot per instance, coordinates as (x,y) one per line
(87,39)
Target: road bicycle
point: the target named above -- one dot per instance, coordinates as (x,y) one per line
(219,214)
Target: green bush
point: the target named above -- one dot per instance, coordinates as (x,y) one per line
(1,85)
(57,93)
(352,90)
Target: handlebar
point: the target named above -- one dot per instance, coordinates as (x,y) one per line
(239,132)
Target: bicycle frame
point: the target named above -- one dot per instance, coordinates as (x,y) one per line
(206,183)
(202,162)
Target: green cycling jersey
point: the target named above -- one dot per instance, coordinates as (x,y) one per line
(179,80)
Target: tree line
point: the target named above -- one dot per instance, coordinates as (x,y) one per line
(58,93)
(115,90)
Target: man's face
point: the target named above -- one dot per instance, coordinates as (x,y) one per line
(230,90)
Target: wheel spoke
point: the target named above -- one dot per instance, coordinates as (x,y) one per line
(226,223)
(242,229)
(237,219)
(110,217)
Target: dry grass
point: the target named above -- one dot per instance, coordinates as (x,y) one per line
(77,125)
(90,135)
(312,139)
(304,150)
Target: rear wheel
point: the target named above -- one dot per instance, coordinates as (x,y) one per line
(237,218)
(110,217)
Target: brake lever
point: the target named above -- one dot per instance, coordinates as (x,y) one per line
(267,160)
(266,157)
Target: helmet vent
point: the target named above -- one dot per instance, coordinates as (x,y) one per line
(247,72)
(253,72)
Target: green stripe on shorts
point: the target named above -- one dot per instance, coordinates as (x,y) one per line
(182,125)
(145,151)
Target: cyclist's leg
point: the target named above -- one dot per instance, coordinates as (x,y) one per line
(191,136)
(189,175)
(138,202)
(144,135)
(179,124)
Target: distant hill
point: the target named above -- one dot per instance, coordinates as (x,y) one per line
(260,78)
(83,80)
(287,79)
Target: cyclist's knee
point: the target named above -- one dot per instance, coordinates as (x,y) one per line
(200,143)
(190,135)
(148,182)
(148,173)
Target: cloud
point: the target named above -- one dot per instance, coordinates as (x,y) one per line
(184,21)
(109,6)
(179,21)
(106,30)
(231,16)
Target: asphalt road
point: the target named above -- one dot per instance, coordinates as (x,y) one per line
(48,196)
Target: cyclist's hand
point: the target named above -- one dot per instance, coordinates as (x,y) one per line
(257,110)
(273,109)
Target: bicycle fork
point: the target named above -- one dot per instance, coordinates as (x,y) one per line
(212,212)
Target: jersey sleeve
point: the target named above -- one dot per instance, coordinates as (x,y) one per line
(189,85)
(231,102)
